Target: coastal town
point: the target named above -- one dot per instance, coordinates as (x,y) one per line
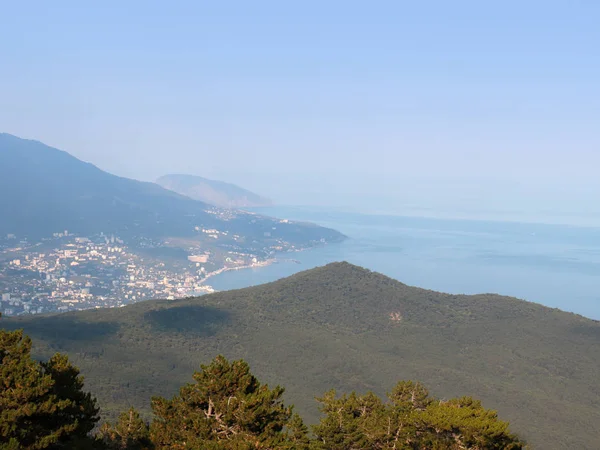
(68,272)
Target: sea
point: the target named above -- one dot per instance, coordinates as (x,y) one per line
(555,265)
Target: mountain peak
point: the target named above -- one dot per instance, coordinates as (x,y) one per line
(217,193)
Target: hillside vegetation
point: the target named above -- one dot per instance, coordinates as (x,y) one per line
(43,406)
(344,327)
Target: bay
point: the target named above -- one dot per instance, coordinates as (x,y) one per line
(555,265)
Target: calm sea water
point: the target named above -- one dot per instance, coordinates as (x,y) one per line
(555,265)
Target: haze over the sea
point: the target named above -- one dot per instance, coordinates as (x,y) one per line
(469,108)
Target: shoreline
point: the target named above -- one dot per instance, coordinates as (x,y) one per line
(264,263)
(282,257)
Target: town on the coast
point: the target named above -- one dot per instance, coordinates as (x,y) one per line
(67,272)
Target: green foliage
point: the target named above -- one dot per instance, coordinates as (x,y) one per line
(408,395)
(462,423)
(410,420)
(42,405)
(349,422)
(331,327)
(129,433)
(226,407)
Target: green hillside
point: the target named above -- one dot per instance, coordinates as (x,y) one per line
(343,327)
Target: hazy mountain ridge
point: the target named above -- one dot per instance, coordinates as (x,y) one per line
(45,190)
(345,327)
(214,192)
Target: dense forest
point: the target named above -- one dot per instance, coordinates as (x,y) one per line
(43,406)
(345,328)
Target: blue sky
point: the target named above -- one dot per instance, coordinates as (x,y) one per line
(464,105)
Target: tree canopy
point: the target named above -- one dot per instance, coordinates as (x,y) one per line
(226,407)
(409,420)
(43,406)
(129,433)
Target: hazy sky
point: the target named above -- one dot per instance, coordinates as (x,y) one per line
(459,104)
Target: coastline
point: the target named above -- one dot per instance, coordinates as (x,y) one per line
(281,257)
(257,264)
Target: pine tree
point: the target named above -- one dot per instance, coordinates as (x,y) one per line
(350,422)
(226,408)
(296,434)
(42,405)
(464,423)
(410,395)
(129,433)
(410,420)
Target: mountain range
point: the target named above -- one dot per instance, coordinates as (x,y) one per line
(44,190)
(213,192)
(344,327)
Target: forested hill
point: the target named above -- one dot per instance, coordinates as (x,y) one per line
(344,327)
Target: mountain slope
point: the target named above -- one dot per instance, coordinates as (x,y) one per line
(344,327)
(213,192)
(45,190)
